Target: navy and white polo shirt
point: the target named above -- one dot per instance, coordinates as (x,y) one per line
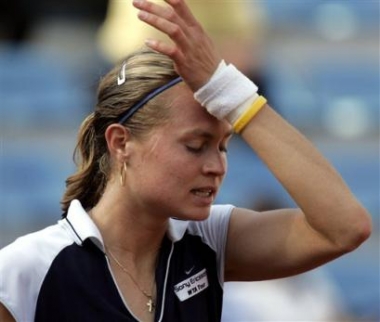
(61,273)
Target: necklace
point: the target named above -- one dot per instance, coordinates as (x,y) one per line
(150,304)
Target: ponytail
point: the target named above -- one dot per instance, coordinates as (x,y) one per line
(88,183)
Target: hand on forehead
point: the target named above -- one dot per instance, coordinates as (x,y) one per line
(194,54)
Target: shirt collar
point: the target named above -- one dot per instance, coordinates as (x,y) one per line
(177,229)
(82,225)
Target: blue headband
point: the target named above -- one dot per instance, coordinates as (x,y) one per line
(128,114)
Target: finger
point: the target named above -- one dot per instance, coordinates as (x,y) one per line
(173,30)
(161,10)
(182,9)
(168,12)
(169,50)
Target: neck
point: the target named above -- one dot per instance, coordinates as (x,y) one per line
(125,231)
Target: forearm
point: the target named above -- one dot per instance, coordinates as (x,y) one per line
(327,203)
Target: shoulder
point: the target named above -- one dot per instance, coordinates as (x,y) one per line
(219,216)
(23,267)
(221,210)
(32,249)
(218,219)
(214,229)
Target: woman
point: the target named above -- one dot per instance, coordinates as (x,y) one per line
(140,239)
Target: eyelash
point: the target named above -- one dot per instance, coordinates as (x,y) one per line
(223,149)
(200,149)
(194,150)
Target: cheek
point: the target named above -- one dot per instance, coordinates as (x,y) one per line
(166,170)
(174,171)
(165,185)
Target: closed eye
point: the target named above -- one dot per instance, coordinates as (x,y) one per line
(203,140)
(195,149)
(200,149)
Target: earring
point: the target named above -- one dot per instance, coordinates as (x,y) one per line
(123,172)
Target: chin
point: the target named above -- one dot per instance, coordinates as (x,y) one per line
(194,214)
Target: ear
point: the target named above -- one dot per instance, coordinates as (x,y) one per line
(118,141)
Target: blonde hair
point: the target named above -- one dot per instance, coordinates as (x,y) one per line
(145,70)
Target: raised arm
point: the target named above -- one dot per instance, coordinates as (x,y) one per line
(329,221)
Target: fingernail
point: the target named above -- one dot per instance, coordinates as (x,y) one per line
(137,1)
(142,14)
(149,42)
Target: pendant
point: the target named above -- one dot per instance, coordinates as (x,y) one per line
(150,305)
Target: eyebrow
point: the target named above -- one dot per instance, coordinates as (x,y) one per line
(206,134)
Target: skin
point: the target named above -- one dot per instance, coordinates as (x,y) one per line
(156,187)
(5,316)
(328,223)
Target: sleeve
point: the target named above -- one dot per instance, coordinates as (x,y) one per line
(16,281)
(23,267)
(214,232)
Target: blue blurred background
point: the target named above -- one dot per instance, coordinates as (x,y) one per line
(320,70)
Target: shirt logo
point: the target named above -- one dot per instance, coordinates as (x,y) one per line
(187,272)
(192,285)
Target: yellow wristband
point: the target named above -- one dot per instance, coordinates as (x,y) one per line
(249,113)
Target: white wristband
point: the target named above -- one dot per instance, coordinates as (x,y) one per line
(228,93)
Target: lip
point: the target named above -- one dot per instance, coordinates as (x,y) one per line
(204,195)
(211,189)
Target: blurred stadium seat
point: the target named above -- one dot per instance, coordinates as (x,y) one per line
(31,184)
(36,89)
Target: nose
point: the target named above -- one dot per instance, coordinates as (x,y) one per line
(215,164)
